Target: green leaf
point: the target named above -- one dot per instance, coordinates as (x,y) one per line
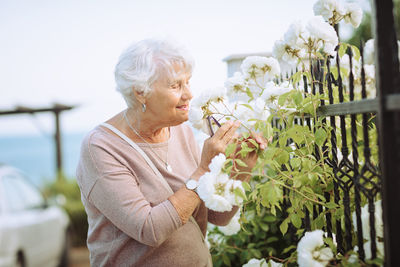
(356,52)
(296,220)
(230,149)
(320,136)
(331,205)
(297,98)
(240,163)
(238,192)
(248,106)
(283,157)
(283,227)
(245,135)
(342,49)
(253,142)
(282,99)
(271,194)
(295,162)
(226,260)
(246,186)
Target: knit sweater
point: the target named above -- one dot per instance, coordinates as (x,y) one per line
(131,221)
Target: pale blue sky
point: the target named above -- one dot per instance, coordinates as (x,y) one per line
(65,51)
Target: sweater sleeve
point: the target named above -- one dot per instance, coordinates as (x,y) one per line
(117,195)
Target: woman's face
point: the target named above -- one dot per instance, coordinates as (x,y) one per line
(168,102)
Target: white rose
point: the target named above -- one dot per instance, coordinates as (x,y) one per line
(327,9)
(310,251)
(256,263)
(323,34)
(217,163)
(233,227)
(230,195)
(353,14)
(211,190)
(256,67)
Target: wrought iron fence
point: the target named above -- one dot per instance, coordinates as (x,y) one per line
(359,178)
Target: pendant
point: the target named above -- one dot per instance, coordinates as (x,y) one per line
(168,167)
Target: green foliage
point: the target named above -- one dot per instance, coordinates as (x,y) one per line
(292,176)
(69,189)
(260,237)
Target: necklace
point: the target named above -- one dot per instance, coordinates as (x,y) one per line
(167,166)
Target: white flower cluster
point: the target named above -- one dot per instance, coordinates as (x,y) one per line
(216,189)
(334,11)
(260,69)
(245,89)
(302,41)
(233,227)
(311,250)
(209,102)
(262,263)
(366,229)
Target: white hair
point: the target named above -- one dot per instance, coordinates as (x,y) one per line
(144,62)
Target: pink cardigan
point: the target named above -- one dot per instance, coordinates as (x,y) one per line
(131,221)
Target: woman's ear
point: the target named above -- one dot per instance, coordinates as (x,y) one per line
(139,96)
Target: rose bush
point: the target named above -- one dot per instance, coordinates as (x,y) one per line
(291,176)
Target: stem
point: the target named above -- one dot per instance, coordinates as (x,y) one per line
(230,115)
(288,187)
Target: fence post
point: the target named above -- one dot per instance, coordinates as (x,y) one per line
(388,84)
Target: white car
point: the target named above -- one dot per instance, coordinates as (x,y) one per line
(31,232)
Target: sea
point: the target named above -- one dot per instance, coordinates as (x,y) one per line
(35,155)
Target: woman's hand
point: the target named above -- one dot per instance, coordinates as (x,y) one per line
(217,143)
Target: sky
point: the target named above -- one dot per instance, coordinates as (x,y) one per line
(55,51)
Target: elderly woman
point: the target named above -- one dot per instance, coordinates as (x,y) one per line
(138,171)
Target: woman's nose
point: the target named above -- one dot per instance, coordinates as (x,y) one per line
(187,93)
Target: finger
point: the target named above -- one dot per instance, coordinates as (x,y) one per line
(234,138)
(231,132)
(223,129)
(260,140)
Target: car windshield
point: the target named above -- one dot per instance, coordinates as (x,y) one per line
(20,195)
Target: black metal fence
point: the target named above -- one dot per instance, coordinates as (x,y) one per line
(360,176)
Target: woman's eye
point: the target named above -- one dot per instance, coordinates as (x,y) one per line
(175,86)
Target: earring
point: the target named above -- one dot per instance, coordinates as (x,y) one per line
(143,107)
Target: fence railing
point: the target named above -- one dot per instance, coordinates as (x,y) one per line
(364,183)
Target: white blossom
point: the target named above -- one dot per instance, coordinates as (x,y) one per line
(311,250)
(233,227)
(273,91)
(230,195)
(353,14)
(216,189)
(369,52)
(260,68)
(272,263)
(366,227)
(217,163)
(211,190)
(236,87)
(330,10)
(322,35)
(255,263)
(285,52)
(243,113)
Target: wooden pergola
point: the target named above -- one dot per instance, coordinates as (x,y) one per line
(56,109)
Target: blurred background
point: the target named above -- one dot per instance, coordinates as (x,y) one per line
(63,53)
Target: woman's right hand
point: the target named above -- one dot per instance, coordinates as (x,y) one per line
(217,143)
